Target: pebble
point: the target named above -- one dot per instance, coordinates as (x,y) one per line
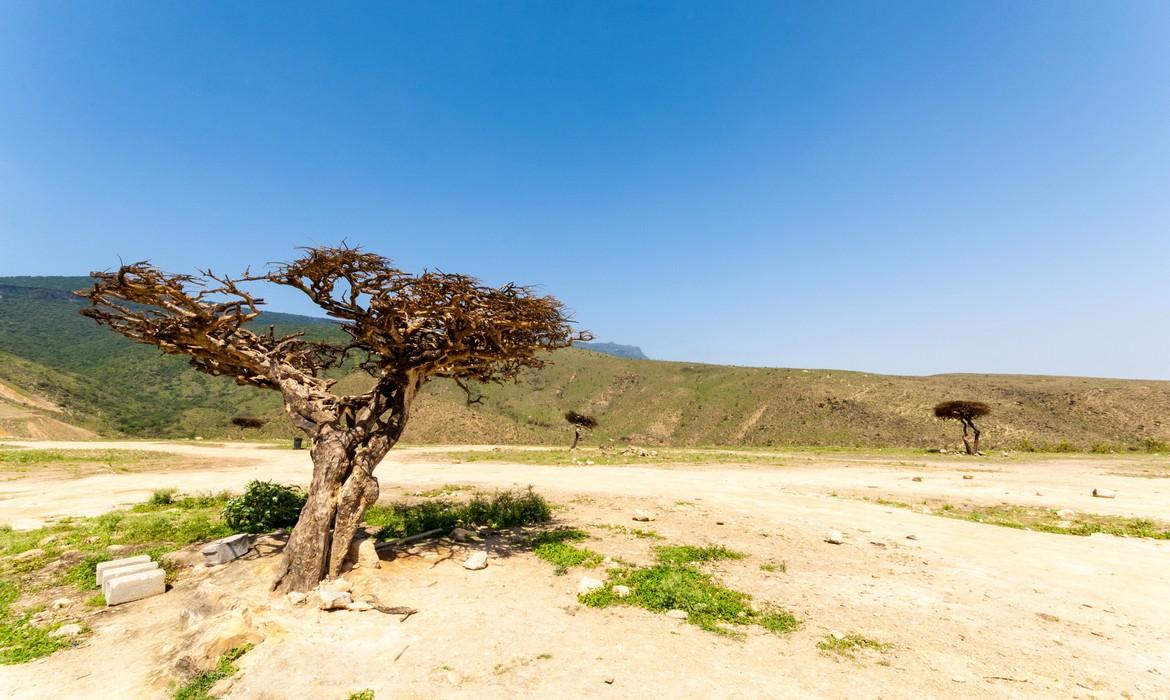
(477,561)
(1104,493)
(837,635)
(297,597)
(59,603)
(66,631)
(621,591)
(588,583)
(835,537)
(643,516)
(608,680)
(677,614)
(968,476)
(917,478)
(911,537)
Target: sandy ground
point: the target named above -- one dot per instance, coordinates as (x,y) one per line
(971,610)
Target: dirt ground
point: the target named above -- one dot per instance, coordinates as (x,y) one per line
(970,610)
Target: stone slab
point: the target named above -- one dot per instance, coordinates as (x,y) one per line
(108,574)
(117,563)
(131,587)
(226,549)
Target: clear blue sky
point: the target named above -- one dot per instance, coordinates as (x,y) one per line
(884,186)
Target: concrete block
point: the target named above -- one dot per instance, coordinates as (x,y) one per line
(130,587)
(116,563)
(226,549)
(108,574)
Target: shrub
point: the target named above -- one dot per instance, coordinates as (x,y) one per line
(264,506)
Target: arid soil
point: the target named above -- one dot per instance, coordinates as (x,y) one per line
(971,610)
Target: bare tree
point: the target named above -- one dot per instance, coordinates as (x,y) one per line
(965,412)
(402,330)
(580,423)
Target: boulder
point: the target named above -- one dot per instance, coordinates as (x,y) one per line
(297,597)
(226,549)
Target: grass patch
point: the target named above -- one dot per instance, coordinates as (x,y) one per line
(686,554)
(366,694)
(675,583)
(20,641)
(444,490)
(79,462)
(499,510)
(635,532)
(850,644)
(197,687)
(772,567)
(552,546)
(1049,520)
(603,456)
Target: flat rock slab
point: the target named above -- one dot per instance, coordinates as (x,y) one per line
(223,550)
(131,587)
(117,564)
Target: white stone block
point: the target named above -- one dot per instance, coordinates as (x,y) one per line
(119,563)
(130,587)
(128,569)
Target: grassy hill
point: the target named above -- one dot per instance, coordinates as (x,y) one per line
(94,379)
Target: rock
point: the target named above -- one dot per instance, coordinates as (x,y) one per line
(368,555)
(1104,493)
(917,478)
(297,597)
(334,600)
(29,554)
(835,537)
(677,614)
(115,548)
(718,522)
(338,584)
(221,687)
(59,603)
(359,606)
(589,463)
(621,591)
(461,535)
(608,680)
(588,583)
(968,476)
(66,631)
(911,537)
(477,561)
(48,540)
(643,516)
(227,549)
(837,635)
(1039,493)
(1066,514)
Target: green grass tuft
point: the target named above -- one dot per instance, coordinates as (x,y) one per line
(366,694)
(197,687)
(687,554)
(20,641)
(850,644)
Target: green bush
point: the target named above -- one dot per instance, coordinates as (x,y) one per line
(265,506)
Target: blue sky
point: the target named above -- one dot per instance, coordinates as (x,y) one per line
(894,187)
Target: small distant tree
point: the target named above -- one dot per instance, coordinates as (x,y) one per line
(581,423)
(402,329)
(965,412)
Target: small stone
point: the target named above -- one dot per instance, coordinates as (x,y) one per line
(66,631)
(359,606)
(297,597)
(968,476)
(29,554)
(608,680)
(718,522)
(1066,514)
(677,614)
(621,591)
(59,603)
(48,540)
(1039,493)
(837,635)
(835,537)
(917,478)
(588,583)
(461,535)
(477,561)
(589,463)
(643,516)
(334,600)
(1104,493)
(454,678)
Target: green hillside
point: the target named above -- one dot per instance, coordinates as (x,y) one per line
(107,384)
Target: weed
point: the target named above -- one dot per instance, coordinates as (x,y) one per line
(640,534)
(675,584)
(782,567)
(850,644)
(366,694)
(21,641)
(551,546)
(197,687)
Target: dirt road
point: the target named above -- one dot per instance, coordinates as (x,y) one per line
(971,610)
